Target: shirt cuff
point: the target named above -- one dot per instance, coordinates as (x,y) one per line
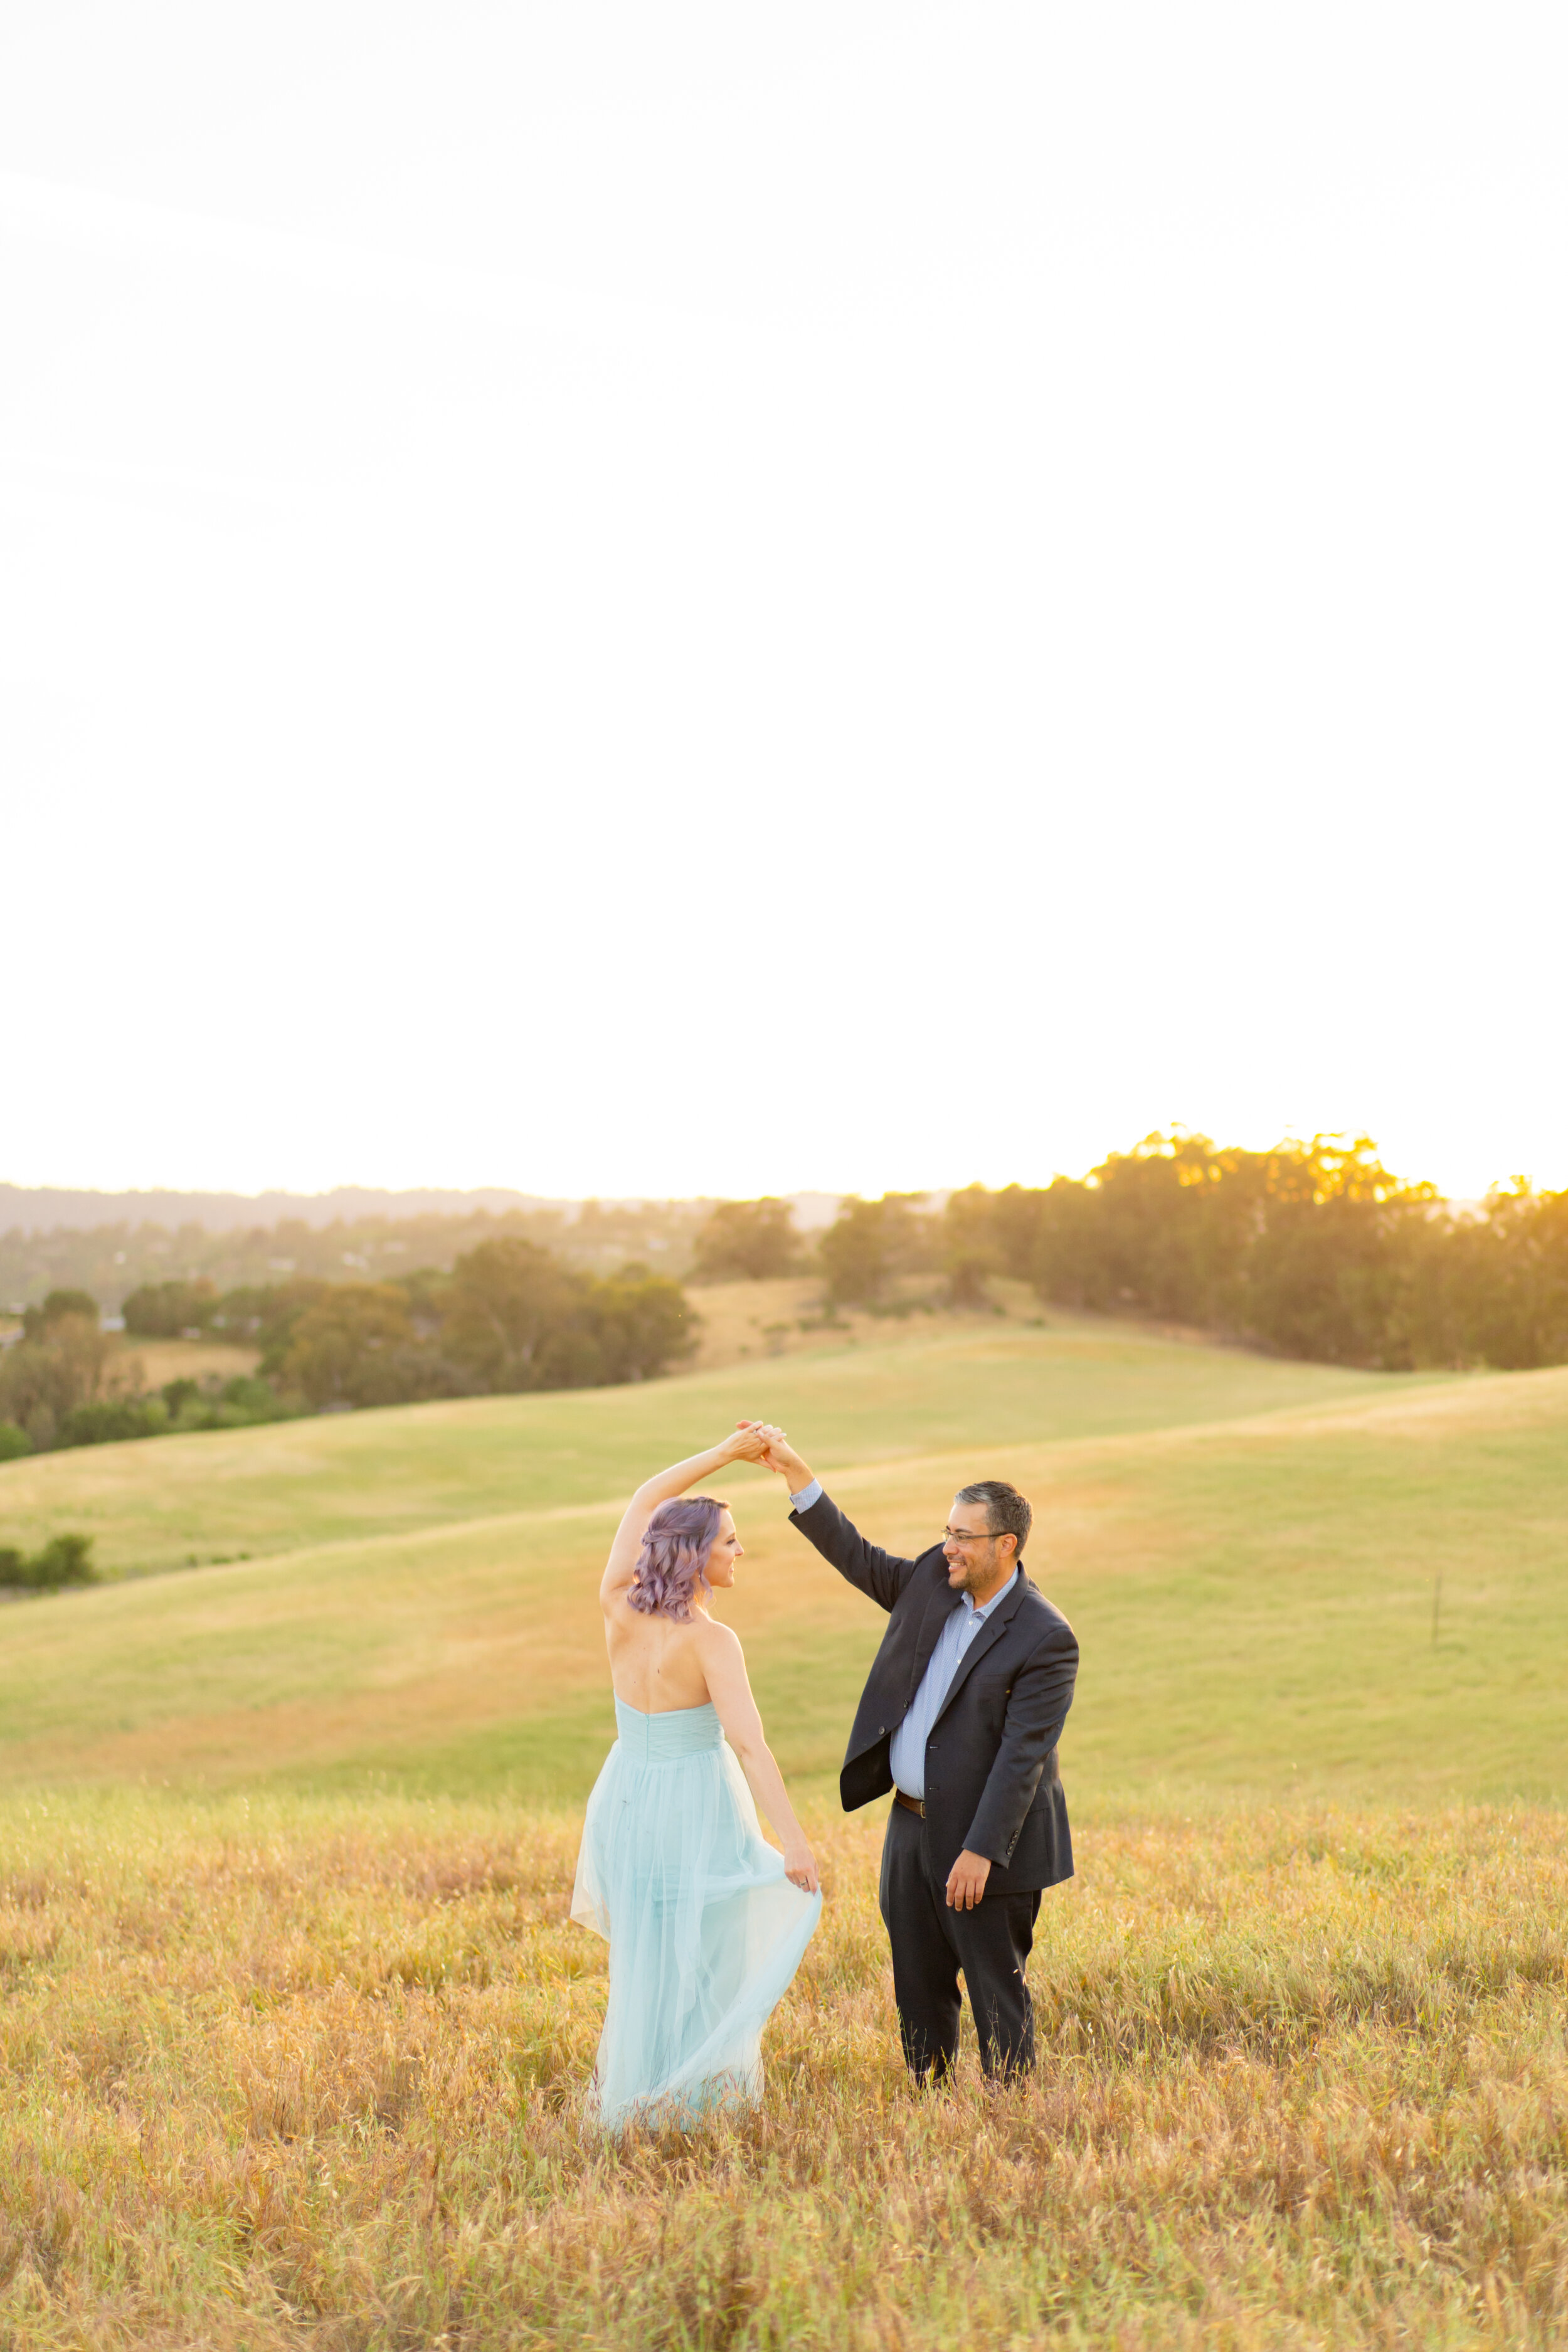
(806,1496)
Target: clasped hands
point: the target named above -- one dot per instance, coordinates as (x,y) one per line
(764,1442)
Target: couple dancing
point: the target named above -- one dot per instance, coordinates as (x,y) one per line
(705,1922)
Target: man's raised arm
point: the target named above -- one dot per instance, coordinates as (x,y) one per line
(880,1575)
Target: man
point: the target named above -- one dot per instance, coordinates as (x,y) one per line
(960,1718)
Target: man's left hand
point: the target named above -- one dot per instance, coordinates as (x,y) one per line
(966,1880)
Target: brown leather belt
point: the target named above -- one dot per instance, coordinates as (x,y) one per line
(911,1805)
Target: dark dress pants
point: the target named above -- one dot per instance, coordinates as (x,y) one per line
(930,1942)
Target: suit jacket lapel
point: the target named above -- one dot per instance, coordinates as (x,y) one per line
(990,1633)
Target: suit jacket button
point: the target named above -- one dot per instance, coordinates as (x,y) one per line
(881,1731)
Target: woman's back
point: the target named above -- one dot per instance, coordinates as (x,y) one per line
(656,1664)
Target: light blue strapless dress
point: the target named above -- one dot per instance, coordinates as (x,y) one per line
(705,1931)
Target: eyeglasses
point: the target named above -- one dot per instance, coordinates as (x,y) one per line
(962,1535)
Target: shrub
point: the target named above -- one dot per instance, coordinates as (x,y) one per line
(110,1419)
(246,1399)
(13,1442)
(64,1559)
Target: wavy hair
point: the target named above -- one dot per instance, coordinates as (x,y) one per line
(674,1554)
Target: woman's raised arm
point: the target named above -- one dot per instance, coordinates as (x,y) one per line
(743,1444)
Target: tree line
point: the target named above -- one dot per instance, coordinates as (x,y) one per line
(1312,1250)
(110,1260)
(509,1316)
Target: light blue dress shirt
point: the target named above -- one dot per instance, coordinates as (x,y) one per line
(907,1755)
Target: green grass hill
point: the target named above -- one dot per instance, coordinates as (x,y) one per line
(1248,1550)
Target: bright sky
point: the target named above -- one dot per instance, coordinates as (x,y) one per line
(637,599)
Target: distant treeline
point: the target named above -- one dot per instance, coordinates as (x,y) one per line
(1312,1250)
(509,1316)
(111,1261)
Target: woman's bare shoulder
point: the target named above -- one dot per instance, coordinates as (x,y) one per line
(714,1640)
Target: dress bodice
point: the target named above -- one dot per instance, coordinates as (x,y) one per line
(661,1738)
(704,1926)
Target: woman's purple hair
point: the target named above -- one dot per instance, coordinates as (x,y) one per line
(674,1554)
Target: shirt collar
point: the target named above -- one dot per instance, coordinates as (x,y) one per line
(996,1599)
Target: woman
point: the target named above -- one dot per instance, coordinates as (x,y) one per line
(706,1921)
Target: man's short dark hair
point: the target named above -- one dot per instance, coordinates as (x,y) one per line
(1006,1511)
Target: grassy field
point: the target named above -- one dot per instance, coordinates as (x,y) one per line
(293,2022)
(971,1381)
(283,2073)
(1254,1593)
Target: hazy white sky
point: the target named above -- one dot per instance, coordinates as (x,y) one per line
(653,599)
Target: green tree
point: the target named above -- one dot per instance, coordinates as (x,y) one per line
(1493,1289)
(162,1310)
(13,1442)
(355,1345)
(427,1289)
(1331,1262)
(60,1305)
(643,1324)
(971,1245)
(62,1365)
(1315,1249)
(1160,1229)
(516,1318)
(872,1242)
(268,1314)
(747,1241)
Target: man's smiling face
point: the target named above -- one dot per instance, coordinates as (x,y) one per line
(977,1561)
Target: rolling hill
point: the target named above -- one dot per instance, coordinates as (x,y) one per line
(1248,1551)
(920,1388)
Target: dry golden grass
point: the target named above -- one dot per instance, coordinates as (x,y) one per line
(292,2072)
(293,2068)
(152,1363)
(753,1322)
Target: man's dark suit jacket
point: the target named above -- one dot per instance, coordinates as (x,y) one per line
(991,1763)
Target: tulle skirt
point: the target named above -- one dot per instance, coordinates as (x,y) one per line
(705,1931)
